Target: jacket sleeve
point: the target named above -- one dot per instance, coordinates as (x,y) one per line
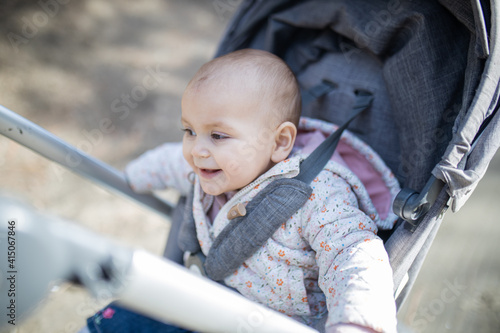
(354,270)
(160,168)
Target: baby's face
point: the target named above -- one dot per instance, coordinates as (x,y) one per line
(228,139)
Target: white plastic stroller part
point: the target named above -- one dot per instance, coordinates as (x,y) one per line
(44,250)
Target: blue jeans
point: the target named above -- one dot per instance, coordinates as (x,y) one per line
(115,319)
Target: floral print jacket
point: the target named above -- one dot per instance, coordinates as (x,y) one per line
(326,262)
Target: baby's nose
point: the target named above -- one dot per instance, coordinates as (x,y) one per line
(200,150)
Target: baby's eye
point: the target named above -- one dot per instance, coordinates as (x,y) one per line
(219,136)
(188,131)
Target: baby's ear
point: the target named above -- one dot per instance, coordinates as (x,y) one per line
(284,140)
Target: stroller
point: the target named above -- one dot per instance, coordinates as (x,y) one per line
(432,69)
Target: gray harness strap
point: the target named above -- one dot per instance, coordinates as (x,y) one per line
(244,235)
(270,208)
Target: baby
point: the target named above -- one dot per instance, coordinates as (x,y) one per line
(242,130)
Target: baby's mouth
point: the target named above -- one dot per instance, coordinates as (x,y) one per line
(209,173)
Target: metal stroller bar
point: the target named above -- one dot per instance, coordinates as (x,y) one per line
(50,146)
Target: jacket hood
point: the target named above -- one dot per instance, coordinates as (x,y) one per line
(354,156)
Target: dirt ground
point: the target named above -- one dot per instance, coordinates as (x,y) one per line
(72,65)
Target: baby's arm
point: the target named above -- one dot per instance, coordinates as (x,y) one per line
(354,270)
(158,169)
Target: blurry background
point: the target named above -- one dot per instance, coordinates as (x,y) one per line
(72,67)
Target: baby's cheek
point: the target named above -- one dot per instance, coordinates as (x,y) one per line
(187,155)
(233,168)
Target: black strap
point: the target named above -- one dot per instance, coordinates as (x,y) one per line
(316,161)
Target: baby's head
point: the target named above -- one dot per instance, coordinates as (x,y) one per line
(240,114)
